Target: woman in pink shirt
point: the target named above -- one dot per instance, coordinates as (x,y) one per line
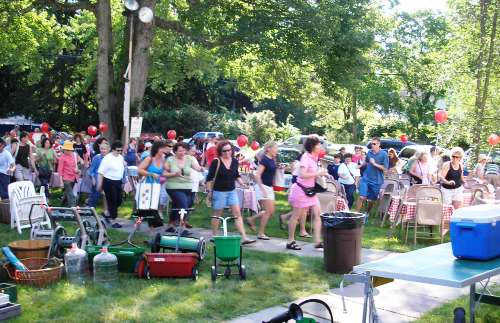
(68,169)
(299,200)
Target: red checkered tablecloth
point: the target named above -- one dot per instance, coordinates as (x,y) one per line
(409,209)
(393,208)
(342,204)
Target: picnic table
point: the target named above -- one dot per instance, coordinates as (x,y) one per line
(443,270)
(409,210)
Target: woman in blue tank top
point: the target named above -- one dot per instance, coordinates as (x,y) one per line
(152,168)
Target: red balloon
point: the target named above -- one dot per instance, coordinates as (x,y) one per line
(242,140)
(493,139)
(92,130)
(404,138)
(441,116)
(255,145)
(44,127)
(103,127)
(171,134)
(321,154)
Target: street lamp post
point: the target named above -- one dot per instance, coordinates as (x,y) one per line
(146,16)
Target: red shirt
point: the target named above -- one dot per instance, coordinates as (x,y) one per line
(210,155)
(67,167)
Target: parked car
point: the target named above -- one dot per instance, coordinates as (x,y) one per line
(385,144)
(203,136)
(297,142)
(493,155)
(348,147)
(408,151)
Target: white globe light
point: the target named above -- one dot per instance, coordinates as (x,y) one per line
(146,15)
(131,5)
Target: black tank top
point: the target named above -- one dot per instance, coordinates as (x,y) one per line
(453,175)
(23,155)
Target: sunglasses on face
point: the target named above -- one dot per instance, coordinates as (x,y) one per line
(226,150)
(170,146)
(375,144)
(119,150)
(457,157)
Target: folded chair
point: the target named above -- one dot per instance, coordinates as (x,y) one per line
(429,213)
(23,200)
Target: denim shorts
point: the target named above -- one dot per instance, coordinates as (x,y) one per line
(220,200)
(369,189)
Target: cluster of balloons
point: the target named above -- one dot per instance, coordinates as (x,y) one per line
(403,138)
(242,141)
(171,134)
(92,130)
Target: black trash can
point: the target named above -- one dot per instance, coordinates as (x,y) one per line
(342,233)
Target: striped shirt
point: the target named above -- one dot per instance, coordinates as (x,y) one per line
(492,169)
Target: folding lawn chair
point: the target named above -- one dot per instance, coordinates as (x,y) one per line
(429,212)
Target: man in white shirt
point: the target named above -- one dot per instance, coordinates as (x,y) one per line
(7,167)
(347,172)
(110,175)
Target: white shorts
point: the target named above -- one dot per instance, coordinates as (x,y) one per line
(450,195)
(269,193)
(23,173)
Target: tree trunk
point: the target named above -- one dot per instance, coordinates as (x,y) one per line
(143,37)
(106,103)
(354,112)
(483,71)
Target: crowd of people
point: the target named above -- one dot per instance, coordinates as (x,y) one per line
(103,167)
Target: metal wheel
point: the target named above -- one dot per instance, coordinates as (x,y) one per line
(214,273)
(243,272)
(195,274)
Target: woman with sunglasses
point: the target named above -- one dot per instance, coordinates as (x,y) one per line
(452,178)
(221,186)
(110,178)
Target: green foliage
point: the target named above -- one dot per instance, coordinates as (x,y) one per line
(260,126)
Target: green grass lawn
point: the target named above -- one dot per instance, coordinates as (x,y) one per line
(485,313)
(272,279)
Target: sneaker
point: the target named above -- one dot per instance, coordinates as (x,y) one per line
(170,229)
(106,218)
(116,225)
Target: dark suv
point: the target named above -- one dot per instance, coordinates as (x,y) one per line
(385,144)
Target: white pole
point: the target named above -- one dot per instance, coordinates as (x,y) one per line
(128,81)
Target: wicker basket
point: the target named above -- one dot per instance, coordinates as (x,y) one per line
(30,248)
(36,275)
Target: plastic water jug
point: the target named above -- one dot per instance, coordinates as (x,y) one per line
(105,268)
(76,265)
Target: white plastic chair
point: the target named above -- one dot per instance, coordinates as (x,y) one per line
(22,196)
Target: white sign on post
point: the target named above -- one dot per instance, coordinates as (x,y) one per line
(136,127)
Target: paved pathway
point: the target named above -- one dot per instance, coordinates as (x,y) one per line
(399,301)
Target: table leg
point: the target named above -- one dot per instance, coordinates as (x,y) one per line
(472,303)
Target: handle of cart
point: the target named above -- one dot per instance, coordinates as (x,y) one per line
(224,222)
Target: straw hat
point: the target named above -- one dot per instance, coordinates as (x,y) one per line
(68,145)
(482,157)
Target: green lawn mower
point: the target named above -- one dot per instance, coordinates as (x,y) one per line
(227,253)
(180,243)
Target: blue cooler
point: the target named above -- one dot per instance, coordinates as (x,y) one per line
(475,232)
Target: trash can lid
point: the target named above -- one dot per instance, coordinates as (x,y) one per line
(343,214)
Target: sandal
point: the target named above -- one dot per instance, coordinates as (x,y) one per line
(307,235)
(263,237)
(319,245)
(249,241)
(293,246)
